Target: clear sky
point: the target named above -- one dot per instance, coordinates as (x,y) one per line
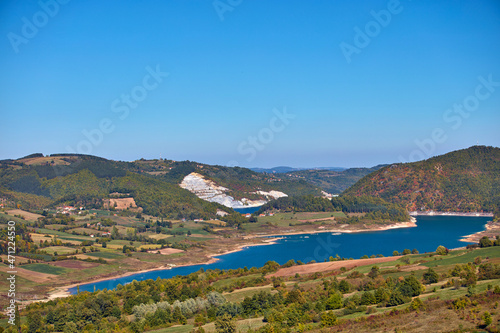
(250,82)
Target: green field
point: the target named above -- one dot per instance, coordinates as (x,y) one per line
(463,258)
(240,294)
(59,249)
(45,268)
(277,218)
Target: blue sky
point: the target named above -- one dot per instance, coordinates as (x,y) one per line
(250,83)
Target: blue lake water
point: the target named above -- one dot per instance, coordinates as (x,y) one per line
(248,210)
(431,231)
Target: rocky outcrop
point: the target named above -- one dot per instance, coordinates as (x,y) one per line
(208,190)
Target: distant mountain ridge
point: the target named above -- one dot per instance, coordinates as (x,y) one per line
(331,181)
(284,169)
(463,181)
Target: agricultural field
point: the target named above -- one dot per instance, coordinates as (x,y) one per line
(45,268)
(30,217)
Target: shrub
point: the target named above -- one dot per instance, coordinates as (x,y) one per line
(430,276)
(328,319)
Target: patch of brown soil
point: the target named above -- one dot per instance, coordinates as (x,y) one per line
(166,251)
(74,264)
(29,275)
(120,203)
(330,266)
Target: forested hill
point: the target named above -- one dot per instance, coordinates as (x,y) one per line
(373,207)
(331,181)
(464,180)
(38,181)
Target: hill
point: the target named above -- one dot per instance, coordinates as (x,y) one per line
(331,181)
(463,181)
(38,181)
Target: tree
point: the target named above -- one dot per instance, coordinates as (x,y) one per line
(430,276)
(382,295)
(17,320)
(487,318)
(441,250)
(368,298)
(374,272)
(344,286)
(397,298)
(414,251)
(485,242)
(225,324)
(34,321)
(395,253)
(295,296)
(114,233)
(334,301)
(406,251)
(70,327)
(410,286)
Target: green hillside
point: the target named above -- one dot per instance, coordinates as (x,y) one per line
(464,180)
(38,181)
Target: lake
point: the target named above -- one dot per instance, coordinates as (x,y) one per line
(431,231)
(248,210)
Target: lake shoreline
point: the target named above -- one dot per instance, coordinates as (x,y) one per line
(396,225)
(63,291)
(433,213)
(492,229)
(270,239)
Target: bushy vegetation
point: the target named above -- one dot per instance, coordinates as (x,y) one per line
(312,301)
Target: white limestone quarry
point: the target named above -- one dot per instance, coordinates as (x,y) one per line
(273,194)
(208,190)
